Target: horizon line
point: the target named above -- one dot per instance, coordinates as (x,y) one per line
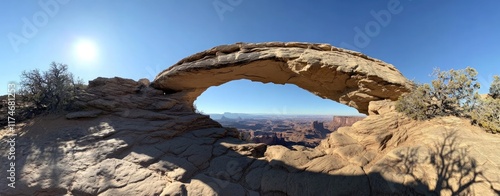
(288,114)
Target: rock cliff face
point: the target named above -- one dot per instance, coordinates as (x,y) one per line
(132,139)
(341,75)
(343,121)
(269,138)
(320,127)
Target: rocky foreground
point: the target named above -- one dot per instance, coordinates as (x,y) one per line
(132,139)
(114,149)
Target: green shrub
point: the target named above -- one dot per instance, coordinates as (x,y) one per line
(487,114)
(413,104)
(453,92)
(52,90)
(495,87)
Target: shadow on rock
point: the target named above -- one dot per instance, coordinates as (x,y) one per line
(117,156)
(443,169)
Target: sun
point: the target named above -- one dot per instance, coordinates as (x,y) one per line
(86,50)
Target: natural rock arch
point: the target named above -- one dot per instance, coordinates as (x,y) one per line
(345,76)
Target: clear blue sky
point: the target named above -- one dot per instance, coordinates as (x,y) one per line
(138,39)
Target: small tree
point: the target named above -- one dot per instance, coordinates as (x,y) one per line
(51,90)
(452,93)
(487,114)
(495,87)
(413,103)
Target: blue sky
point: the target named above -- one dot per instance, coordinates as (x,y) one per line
(138,39)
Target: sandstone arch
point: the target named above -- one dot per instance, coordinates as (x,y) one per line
(345,76)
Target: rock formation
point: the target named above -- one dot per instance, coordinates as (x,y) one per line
(269,138)
(342,121)
(341,75)
(319,127)
(132,139)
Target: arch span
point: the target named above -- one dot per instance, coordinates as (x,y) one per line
(345,76)
(245,96)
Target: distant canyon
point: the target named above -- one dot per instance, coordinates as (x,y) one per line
(286,130)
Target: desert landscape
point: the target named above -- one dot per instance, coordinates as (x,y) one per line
(286,130)
(144,138)
(249,98)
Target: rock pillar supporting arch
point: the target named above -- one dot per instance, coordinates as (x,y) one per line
(345,76)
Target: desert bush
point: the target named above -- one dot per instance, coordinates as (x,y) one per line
(495,87)
(452,92)
(413,104)
(487,114)
(52,90)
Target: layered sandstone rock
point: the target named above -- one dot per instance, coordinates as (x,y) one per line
(342,121)
(131,139)
(341,75)
(125,151)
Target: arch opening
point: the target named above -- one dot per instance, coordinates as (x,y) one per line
(275,114)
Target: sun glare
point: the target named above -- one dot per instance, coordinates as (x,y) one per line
(86,50)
